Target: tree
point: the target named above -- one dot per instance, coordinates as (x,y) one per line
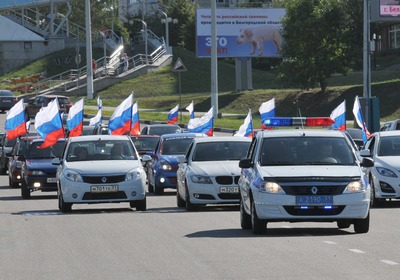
(315,34)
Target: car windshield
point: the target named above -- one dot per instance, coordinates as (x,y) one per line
(176,146)
(160,130)
(101,150)
(35,152)
(145,143)
(389,146)
(306,151)
(220,151)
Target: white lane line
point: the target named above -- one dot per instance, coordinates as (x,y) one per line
(389,262)
(357,251)
(330,242)
(286,226)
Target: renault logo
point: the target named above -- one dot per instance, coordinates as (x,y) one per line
(104,179)
(314,190)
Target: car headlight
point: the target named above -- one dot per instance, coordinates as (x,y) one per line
(36,172)
(271,187)
(165,165)
(133,174)
(201,179)
(73,176)
(386,172)
(355,186)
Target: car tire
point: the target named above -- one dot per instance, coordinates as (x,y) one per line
(25,192)
(179,201)
(245,219)
(375,202)
(63,206)
(343,224)
(259,226)
(361,225)
(188,205)
(140,205)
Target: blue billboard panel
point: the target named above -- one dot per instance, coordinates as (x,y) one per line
(240,32)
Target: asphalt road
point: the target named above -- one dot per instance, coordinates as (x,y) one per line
(112,241)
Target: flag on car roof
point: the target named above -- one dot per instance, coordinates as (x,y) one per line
(339,116)
(135,130)
(190,108)
(205,124)
(121,120)
(75,119)
(98,118)
(267,110)
(173,115)
(49,125)
(15,121)
(360,120)
(246,129)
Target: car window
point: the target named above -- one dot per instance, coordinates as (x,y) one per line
(389,146)
(6,93)
(220,151)
(35,152)
(164,130)
(145,143)
(175,146)
(63,100)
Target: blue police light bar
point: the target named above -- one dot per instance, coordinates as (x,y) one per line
(298,121)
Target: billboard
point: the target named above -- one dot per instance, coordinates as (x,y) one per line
(385,10)
(240,32)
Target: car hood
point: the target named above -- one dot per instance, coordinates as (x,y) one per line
(171,159)
(310,171)
(98,167)
(216,168)
(393,161)
(41,164)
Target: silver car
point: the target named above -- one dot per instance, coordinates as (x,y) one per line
(100,169)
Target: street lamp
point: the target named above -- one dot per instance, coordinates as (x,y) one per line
(145,34)
(167,20)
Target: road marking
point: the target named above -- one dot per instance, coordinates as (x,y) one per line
(40,213)
(286,226)
(330,242)
(389,262)
(357,251)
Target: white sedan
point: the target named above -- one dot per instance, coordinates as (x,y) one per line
(100,169)
(209,172)
(384,177)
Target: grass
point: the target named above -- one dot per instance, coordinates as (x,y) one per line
(160,90)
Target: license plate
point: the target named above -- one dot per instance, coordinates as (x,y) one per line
(229,190)
(51,180)
(314,200)
(100,189)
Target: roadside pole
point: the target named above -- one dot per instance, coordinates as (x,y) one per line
(179,67)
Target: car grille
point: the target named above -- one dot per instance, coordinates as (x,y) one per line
(307,190)
(104,196)
(227,180)
(103,179)
(313,211)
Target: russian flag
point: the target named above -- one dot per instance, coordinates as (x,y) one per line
(190,108)
(98,118)
(15,121)
(205,124)
(75,119)
(267,110)
(360,120)
(173,115)
(135,130)
(48,124)
(339,116)
(246,129)
(121,120)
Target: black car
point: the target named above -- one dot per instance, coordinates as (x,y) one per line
(5,153)
(36,103)
(7,100)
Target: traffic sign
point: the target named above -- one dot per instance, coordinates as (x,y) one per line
(179,66)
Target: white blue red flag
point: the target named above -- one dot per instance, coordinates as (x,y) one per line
(75,119)
(121,120)
(360,120)
(135,130)
(267,110)
(49,125)
(339,116)
(98,118)
(190,108)
(205,124)
(15,121)
(246,129)
(173,115)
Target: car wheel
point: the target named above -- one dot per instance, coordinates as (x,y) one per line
(25,192)
(140,205)
(362,225)
(179,201)
(375,202)
(259,226)
(63,206)
(343,224)
(188,205)
(245,219)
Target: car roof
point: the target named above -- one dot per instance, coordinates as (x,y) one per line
(98,137)
(222,139)
(388,133)
(300,133)
(183,135)
(162,125)
(42,140)
(146,136)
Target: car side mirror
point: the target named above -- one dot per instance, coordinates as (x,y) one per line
(245,163)
(56,161)
(181,159)
(365,153)
(367,162)
(146,158)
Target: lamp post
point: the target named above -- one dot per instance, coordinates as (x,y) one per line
(166,21)
(145,35)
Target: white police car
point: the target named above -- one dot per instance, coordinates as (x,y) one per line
(303,175)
